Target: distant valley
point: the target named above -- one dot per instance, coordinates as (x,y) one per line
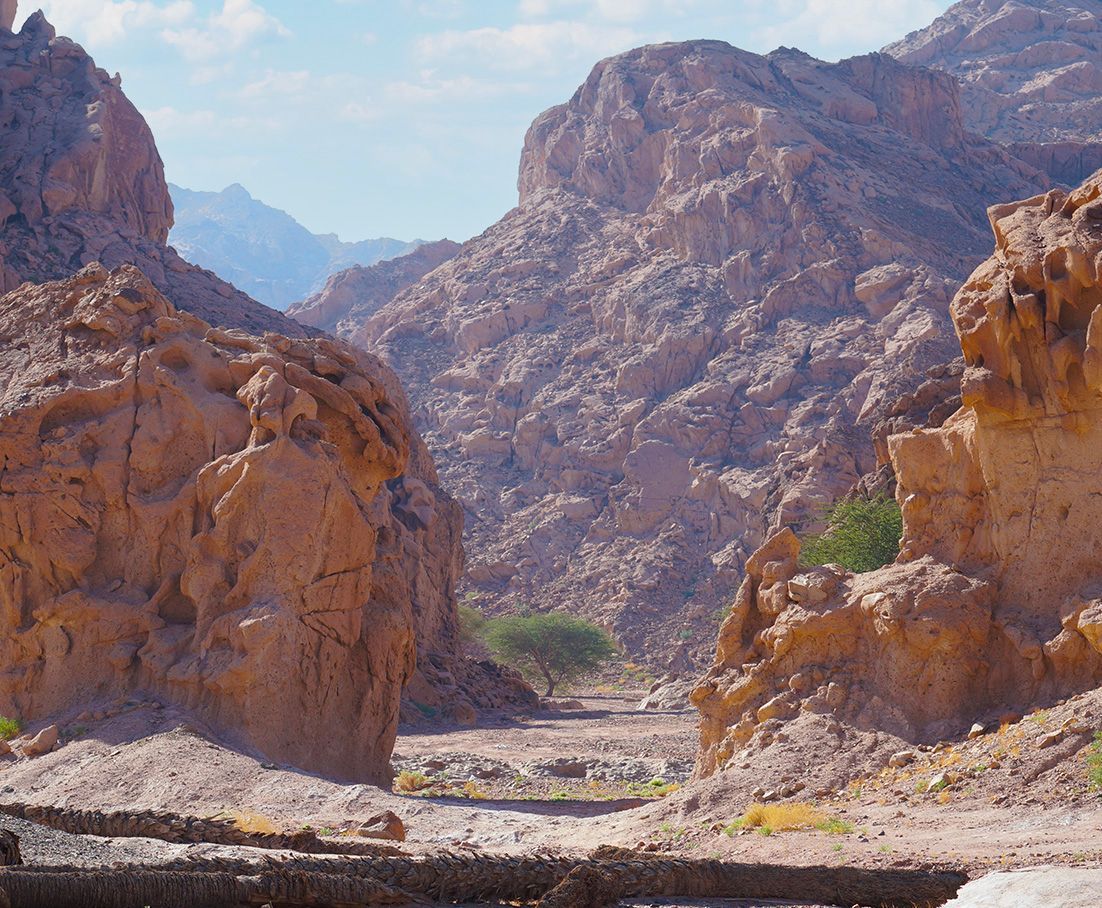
(265,251)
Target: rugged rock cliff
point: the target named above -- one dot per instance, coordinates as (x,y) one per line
(994,603)
(247,527)
(81,181)
(353,295)
(1031,70)
(723,269)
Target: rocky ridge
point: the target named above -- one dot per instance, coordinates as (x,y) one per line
(355,294)
(1030,70)
(993,604)
(81,181)
(724,268)
(186,508)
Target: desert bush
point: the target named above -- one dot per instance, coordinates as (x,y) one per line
(408,781)
(9,728)
(862,534)
(553,647)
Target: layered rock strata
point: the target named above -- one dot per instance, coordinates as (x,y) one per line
(81,181)
(995,601)
(723,271)
(245,526)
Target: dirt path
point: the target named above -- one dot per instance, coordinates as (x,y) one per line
(149,757)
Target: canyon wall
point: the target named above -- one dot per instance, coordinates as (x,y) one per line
(724,269)
(994,603)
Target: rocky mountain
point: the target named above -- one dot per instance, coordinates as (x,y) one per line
(263,250)
(1030,70)
(722,270)
(993,604)
(352,296)
(81,181)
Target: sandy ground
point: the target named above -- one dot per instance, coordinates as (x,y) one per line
(153,757)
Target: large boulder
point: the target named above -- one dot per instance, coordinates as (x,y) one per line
(995,602)
(248,527)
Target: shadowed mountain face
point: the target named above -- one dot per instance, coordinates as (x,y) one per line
(723,269)
(263,250)
(1030,70)
(81,181)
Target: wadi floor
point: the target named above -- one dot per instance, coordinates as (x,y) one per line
(515,785)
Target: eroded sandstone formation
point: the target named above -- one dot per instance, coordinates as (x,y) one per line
(995,602)
(355,294)
(81,181)
(723,270)
(246,526)
(1031,70)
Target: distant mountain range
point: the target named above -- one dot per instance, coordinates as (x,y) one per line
(262,250)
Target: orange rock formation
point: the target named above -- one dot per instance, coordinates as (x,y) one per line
(995,601)
(248,527)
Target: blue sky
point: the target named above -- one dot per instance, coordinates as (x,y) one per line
(404,117)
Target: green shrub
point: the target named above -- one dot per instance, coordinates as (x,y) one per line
(553,647)
(1094,763)
(9,728)
(862,534)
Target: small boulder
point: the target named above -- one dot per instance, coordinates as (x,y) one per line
(1052,737)
(386,825)
(975,731)
(5,748)
(901,758)
(42,743)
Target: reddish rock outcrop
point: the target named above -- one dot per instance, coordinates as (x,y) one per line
(248,527)
(352,296)
(723,269)
(1031,70)
(995,602)
(81,181)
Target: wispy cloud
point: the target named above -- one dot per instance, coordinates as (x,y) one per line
(544,46)
(842,23)
(107,21)
(237,24)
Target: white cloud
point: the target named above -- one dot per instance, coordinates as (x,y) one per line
(237,24)
(544,46)
(106,21)
(605,10)
(844,23)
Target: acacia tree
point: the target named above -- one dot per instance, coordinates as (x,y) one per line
(551,646)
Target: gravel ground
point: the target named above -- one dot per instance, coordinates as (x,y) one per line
(41,845)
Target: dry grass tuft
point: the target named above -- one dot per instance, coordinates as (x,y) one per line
(255,823)
(781,817)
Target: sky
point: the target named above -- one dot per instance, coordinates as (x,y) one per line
(404,118)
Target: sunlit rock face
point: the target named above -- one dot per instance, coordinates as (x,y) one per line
(995,602)
(247,527)
(723,270)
